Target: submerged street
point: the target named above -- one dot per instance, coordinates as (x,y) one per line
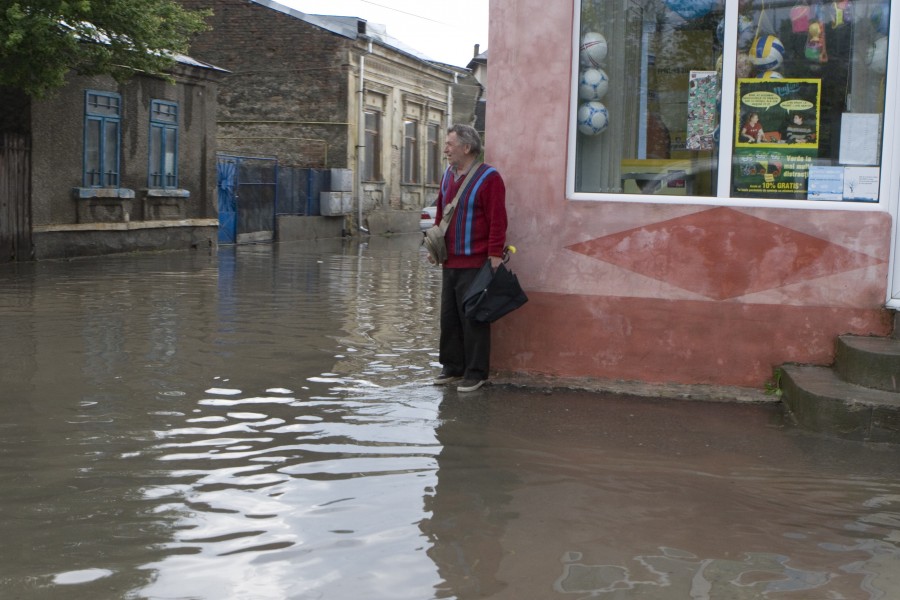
(258,423)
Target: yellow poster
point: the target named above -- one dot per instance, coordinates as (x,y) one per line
(776,136)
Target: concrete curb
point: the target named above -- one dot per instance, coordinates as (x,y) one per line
(708,393)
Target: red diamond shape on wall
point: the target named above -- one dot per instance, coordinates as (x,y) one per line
(722,253)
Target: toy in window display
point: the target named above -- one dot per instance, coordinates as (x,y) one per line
(815,43)
(691,9)
(841,13)
(745,32)
(767,53)
(800,18)
(593,49)
(770,75)
(742,68)
(593,118)
(593,84)
(876,58)
(880,17)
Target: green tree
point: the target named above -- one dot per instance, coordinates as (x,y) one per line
(42,40)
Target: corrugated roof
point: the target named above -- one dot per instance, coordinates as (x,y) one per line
(343,26)
(348,27)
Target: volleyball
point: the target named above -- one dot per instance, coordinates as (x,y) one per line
(592,118)
(593,84)
(593,49)
(767,53)
(770,75)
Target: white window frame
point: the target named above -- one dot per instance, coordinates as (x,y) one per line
(888,186)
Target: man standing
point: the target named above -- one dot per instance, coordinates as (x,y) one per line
(476,233)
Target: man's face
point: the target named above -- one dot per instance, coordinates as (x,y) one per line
(454,150)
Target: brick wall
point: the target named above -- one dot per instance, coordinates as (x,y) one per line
(287,94)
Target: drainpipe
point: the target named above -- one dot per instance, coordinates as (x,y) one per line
(361,137)
(450,101)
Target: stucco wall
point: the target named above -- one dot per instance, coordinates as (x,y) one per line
(57,148)
(650,292)
(58,143)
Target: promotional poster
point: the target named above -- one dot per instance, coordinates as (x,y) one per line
(703,111)
(776,137)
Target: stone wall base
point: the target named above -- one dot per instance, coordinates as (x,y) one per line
(97,239)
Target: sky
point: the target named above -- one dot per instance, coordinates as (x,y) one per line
(443,31)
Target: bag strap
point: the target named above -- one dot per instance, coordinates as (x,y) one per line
(447,214)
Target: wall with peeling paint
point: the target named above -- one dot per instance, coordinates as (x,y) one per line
(660,293)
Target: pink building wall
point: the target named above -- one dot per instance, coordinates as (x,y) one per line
(674,293)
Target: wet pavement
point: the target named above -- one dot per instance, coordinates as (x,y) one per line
(258,423)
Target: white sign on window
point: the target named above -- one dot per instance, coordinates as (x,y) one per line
(860,137)
(861,184)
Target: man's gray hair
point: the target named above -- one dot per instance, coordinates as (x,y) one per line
(467,135)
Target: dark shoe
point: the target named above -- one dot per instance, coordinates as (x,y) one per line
(444,378)
(470,385)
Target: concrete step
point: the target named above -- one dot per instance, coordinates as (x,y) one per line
(819,400)
(872,362)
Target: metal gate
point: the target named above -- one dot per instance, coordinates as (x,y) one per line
(247,198)
(15,197)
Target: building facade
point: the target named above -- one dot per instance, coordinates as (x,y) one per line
(329,92)
(119,167)
(699,191)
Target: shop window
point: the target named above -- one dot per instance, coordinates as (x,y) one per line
(433,160)
(752,99)
(163,168)
(102,126)
(410,152)
(372,158)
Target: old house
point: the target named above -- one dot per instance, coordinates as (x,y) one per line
(105,167)
(329,92)
(659,244)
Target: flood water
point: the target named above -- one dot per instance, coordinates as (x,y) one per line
(258,423)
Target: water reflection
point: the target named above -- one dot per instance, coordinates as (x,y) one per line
(259,423)
(628,498)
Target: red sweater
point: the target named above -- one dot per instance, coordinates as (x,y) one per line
(478,225)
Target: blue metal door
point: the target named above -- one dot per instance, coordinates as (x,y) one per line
(226,175)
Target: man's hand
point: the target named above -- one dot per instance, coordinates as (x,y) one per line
(495,262)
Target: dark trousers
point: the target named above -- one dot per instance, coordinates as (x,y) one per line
(465,346)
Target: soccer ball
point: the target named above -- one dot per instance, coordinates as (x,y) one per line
(593,49)
(770,75)
(593,84)
(592,118)
(767,53)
